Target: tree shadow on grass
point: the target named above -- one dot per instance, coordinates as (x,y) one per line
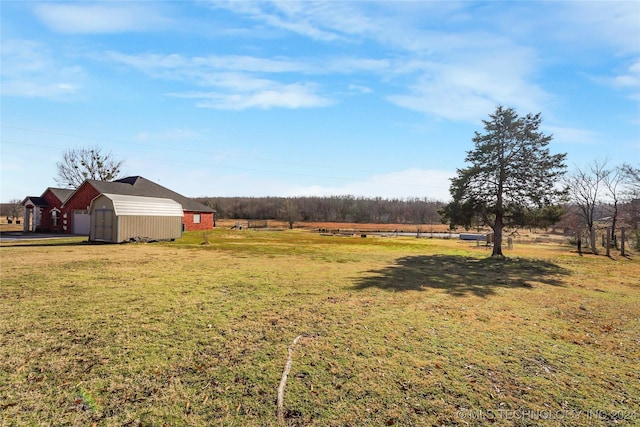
(459,275)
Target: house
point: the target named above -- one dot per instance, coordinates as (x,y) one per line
(44,213)
(73,215)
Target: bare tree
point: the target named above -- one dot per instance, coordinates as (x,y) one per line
(633,176)
(291,211)
(615,180)
(585,189)
(15,209)
(80,164)
(631,194)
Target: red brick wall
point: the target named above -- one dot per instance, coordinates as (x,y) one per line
(54,202)
(206,221)
(80,200)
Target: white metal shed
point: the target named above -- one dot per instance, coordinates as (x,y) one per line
(119,218)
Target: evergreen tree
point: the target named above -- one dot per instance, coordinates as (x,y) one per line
(511,180)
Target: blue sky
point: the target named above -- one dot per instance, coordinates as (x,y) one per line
(302,98)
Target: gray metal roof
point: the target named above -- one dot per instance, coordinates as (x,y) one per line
(126,205)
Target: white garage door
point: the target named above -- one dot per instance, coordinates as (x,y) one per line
(81,222)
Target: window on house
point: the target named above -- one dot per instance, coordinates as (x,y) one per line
(54,217)
(196,218)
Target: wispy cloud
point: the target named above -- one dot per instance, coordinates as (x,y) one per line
(111,17)
(630,80)
(318,20)
(466,89)
(180,66)
(239,82)
(457,74)
(290,96)
(359,89)
(597,25)
(412,182)
(30,70)
(570,135)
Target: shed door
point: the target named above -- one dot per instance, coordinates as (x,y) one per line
(103,224)
(81,222)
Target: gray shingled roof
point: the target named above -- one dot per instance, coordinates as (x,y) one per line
(61,193)
(139,186)
(38,201)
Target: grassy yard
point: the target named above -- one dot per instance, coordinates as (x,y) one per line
(396,331)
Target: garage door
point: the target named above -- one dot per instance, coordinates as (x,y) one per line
(81,222)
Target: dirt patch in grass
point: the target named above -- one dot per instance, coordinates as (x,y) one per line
(395,332)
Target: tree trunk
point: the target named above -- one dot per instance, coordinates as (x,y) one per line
(592,240)
(614,221)
(497,237)
(580,242)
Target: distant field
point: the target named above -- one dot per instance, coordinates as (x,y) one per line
(4,226)
(395,331)
(335,226)
(356,226)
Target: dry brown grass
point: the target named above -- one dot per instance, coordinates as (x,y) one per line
(396,331)
(4,227)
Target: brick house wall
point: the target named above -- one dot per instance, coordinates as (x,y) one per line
(82,197)
(206,221)
(80,200)
(47,223)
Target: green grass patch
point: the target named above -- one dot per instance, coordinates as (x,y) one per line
(396,331)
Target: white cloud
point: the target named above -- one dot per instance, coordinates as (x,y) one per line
(111,17)
(408,183)
(317,20)
(467,90)
(237,82)
(30,70)
(190,66)
(454,74)
(360,89)
(630,81)
(569,135)
(276,96)
(599,24)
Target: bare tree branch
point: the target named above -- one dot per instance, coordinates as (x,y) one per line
(80,164)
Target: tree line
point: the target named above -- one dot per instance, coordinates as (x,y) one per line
(328,209)
(511,180)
